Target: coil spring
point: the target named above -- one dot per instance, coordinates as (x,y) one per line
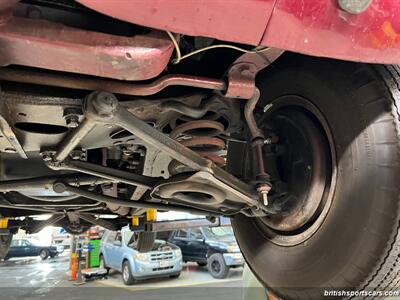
(201,137)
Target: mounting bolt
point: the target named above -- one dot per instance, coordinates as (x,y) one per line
(72,121)
(59,187)
(78,154)
(71,116)
(47,155)
(268,141)
(105,103)
(354,6)
(263,189)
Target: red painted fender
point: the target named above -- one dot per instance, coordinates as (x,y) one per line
(314,27)
(321,28)
(241,21)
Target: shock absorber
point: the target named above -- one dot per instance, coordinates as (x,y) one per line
(201,136)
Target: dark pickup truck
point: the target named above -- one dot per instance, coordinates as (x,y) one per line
(214,247)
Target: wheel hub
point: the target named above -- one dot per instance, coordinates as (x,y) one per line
(299,163)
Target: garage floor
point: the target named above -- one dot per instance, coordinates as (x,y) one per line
(31,278)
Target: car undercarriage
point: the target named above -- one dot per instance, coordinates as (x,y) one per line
(103,121)
(92,152)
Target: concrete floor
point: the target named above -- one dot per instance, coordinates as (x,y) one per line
(32,278)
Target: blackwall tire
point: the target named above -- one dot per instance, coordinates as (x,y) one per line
(5,242)
(127,276)
(103,264)
(44,254)
(355,245)
(217,267)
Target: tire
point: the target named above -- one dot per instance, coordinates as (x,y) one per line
(5,242)
(175,275)
(127,276)
(44,254)
(217,267)
(103,264)
(351,242)
(146,241)
(201,264)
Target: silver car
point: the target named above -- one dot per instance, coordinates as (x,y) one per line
(118,251)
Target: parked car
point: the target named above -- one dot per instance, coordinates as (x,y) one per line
(32,247)
(214,247)
(118,251)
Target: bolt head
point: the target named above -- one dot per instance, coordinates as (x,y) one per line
(268,141)
(59,187)
(47,155)
(105,104)
(354,6)
(264,196)
(78,155)
(72,121)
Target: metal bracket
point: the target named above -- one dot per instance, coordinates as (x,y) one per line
(103,108)
(242,74)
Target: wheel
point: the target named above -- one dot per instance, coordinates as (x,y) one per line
(5,242)
(217,267)
(146,241)
(127,276)
(44,254)
(103,264)
(334,162)
(201,264)
(175,275)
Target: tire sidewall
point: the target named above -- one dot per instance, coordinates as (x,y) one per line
(224,269)
(130,280)
(103,261)
(335,248)
(5,243)
(44,254)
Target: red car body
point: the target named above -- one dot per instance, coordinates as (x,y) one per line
(314,27)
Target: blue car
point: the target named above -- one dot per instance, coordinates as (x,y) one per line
(118,251)
(32,247)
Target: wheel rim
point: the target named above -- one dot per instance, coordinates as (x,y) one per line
(302,169)
(42,254)
(102,265)
(125,272)
(215,266)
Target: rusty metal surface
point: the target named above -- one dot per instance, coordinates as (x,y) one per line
(112,86)
(200,136)
(250,105)
(242,73)
(6,8)
(204,144)
(198,128)
(48,45)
